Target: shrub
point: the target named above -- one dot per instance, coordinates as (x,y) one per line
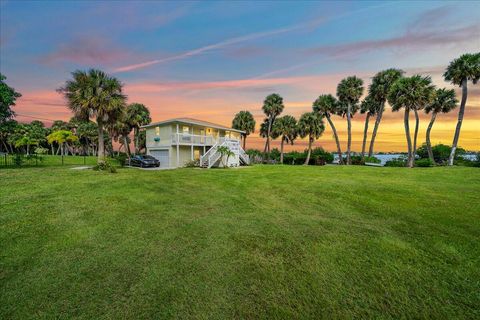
(441,152)
(122,159)
(372,160)
(254,155)
(275,154)
(192,164)
(18,159)
(105,165)
(396,162)
(41,151)
(424,163)
(322,156)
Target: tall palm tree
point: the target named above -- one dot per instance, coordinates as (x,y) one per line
(311,125)
(95,94)
(444,102)
(244,121)
(326,105)
(381,84)
(286,128)
(272,107)
(459,72)
(412,94)
(349,91)
(137,115)
(369,106)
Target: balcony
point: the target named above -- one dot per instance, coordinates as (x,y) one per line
(193,139)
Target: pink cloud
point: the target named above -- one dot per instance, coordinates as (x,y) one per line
(92,50)
(409,40)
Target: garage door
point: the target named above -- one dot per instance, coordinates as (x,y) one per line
(162,156)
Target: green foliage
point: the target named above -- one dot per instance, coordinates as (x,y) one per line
(41,151)
(286,128)
(441,152)
(105,165)
(349,91)
(244,121)
(426,162)
(311,125)
(122,159)
(444,101)
(326,105)
(372,160)
(18,159)
(397,162)
(413,92)
(225,153)
(382,83)
(466,67)
(275,154)
(8,96)
(318,157)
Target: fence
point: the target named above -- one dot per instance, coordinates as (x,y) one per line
(22,160)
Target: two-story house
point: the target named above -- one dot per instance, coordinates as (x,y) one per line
(177,141)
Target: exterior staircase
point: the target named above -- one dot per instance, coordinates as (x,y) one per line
(212,156)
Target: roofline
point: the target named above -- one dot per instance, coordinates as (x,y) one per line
(199,123)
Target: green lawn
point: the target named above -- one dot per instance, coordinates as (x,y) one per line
(258,242)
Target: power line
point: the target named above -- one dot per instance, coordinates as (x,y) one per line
(33,117)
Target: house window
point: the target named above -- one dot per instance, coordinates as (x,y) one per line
(186,129)
(209,131)
(196,154)
(157,131)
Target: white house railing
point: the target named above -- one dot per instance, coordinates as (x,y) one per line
(186,138)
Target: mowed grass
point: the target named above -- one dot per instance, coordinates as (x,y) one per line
(258,242)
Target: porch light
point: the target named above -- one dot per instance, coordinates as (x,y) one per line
(156,139)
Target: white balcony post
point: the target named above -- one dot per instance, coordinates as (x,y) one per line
(178,149)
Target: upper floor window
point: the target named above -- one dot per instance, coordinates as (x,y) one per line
(157,131)
(185,129)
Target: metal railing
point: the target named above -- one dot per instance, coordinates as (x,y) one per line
(187,138)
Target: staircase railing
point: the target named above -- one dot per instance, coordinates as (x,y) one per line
(243,155)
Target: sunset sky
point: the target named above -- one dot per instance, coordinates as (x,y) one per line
(209,60)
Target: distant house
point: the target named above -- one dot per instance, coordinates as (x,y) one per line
(177,141)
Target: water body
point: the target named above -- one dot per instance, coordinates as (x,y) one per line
(387,157)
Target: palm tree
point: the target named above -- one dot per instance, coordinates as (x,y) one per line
(444,102)
(459,72)
(244,121)
(369,106)
(95,94)
(349,91)
(381,84)
(119,131)
(286,128)
(326,105)
(411,93)
(272,107)
(137,115)
(311,125)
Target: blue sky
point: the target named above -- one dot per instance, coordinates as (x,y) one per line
(182,57)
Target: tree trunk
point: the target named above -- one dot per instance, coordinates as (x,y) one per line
(101,142)
(337,141)
(127,146)
(407,134)
(135,137)
(266,151)
(427,139)
(244,141)
(459,122)
(309,151)
(28,149)
(349,141)
(365,131)
(375,128)
(281,150)
(415,135)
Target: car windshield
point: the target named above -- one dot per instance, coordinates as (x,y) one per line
(147,157)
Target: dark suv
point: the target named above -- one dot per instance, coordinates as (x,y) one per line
(144,161)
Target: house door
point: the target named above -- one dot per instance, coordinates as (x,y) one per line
(163,156)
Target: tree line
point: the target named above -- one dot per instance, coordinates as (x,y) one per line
(90,95)
(410,94)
